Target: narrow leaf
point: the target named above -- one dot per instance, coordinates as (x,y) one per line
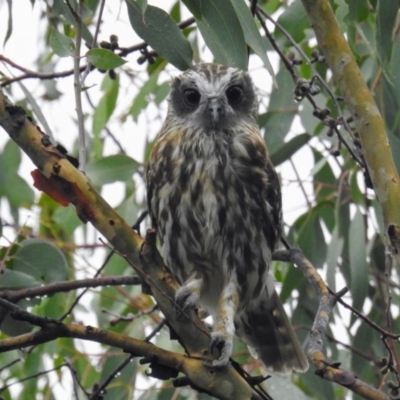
(252,34)
(106,106)
(288,149)
(62,45)
(385,20)
(194,6)
(358,261)
(223,33)
(112,169)
(160,31)
(140,101)
(295,21)
(9,24)
(104,59)
(334,251)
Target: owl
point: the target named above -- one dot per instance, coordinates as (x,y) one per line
(214,198)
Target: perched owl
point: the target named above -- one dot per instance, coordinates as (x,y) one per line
(215,200)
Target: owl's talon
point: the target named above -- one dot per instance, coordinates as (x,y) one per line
(224,345)
(185,299)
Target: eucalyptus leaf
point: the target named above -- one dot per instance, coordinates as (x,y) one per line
(288,149)
(104,59)
(387,11)
(41,260)
(62,45)
(252,34)
(160,32)
(358,261)
(223,33)
(112,169)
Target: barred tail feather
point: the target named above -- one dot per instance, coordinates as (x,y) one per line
(264,326)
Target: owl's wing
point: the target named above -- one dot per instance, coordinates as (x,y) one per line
(274,199)
(150,192)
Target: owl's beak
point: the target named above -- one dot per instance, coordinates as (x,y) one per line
(214,108)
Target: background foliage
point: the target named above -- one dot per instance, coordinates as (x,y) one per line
(329,210)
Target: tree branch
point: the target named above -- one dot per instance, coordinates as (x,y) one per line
(66,286)
(28,74)
(314,343)
(366,116)
(68,185)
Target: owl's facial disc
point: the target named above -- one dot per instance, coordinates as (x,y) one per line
(212,96)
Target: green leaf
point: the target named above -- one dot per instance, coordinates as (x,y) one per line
(104,59)
(160,31)
(60,9)
(141,100)
(223,33)
(358,261)
(42,260)
(334,251)
(295,21)
(356,194)
(9,24)
(62,45)
(288,149)
(194,6)
(66,218)
(358,10)
(16,280)
(251,33)
(161,92)
(12,327)
(111,169)
(106,106)
(12,186)
(386,17)
(324,180)
(278,119)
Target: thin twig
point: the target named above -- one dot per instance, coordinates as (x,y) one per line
(260,12)
(94,43)
(95,395)
(77,84)
(66,286)
(28,74)
(78,298)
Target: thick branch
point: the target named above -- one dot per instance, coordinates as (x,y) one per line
(361,104)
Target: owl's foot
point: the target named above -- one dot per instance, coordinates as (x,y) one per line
(185,299)
(224,345)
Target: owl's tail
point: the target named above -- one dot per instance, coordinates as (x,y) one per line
(264,326)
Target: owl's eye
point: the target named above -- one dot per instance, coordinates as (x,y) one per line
(192,97)
(234,94)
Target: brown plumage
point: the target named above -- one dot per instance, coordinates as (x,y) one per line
(215,199)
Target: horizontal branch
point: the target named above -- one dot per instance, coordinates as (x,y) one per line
(66,286)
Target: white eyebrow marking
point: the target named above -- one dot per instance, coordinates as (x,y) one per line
(214,87)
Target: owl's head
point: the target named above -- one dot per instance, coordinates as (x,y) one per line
(213,96)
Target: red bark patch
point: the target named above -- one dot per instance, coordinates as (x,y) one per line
(64,192)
